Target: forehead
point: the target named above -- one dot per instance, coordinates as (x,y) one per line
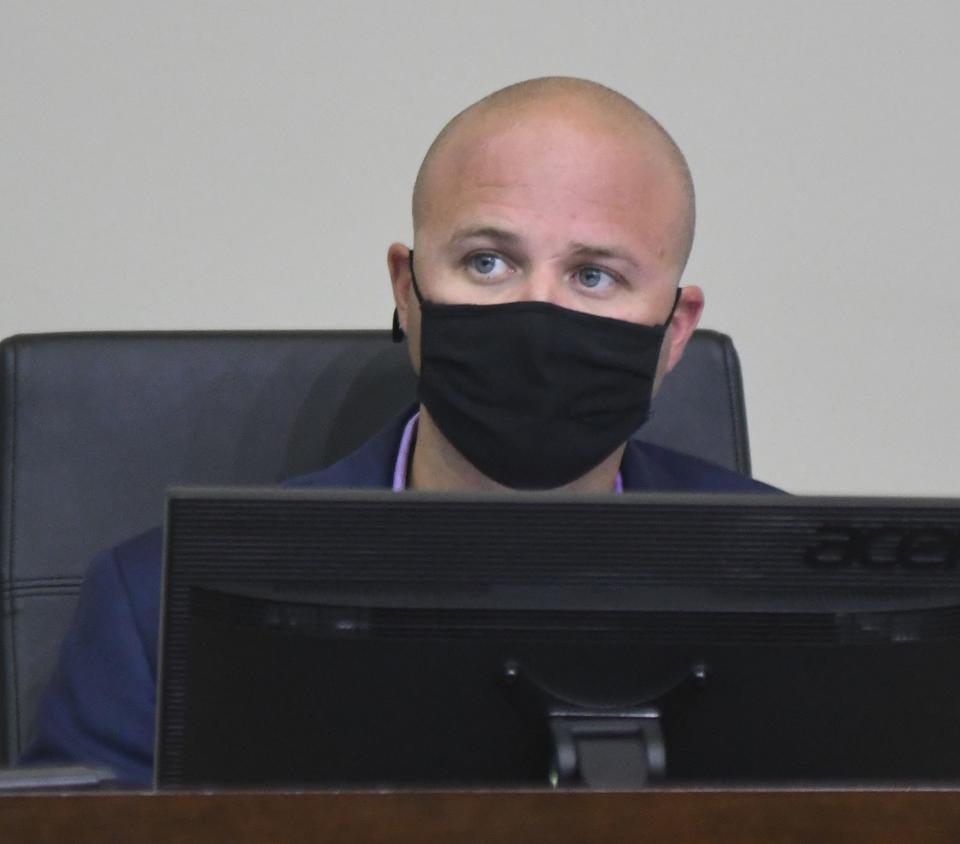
(585,177)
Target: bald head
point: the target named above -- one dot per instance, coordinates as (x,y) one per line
(574,102)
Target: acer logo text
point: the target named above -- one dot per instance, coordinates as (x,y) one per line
(884,547)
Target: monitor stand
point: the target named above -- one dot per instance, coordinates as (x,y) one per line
(602,746)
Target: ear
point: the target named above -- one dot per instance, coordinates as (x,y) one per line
(398,263)
(685,319)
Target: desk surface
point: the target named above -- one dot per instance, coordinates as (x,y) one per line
(772,817)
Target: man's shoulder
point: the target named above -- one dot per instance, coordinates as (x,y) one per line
(371,465)
(652,467)
(123,584)
(136,562)
(130,573)
(133,565)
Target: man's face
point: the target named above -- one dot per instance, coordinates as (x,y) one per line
(554,210)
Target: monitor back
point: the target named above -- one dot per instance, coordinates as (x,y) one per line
(363,638)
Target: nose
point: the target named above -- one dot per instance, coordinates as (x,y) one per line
(543,284)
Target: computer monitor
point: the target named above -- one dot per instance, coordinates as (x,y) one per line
(367,638)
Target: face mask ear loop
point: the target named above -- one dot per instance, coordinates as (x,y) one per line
(397,332)
(413,276)
(676,301)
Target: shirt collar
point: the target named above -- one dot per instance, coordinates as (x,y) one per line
(403,453)
(407,440)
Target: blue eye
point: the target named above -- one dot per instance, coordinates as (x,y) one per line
(594,279)
(484,263)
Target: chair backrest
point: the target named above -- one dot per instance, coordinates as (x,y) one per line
(96,426)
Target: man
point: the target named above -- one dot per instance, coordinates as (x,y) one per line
(552,223)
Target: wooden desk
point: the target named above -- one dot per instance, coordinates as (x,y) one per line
(771,817)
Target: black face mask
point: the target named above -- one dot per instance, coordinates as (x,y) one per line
(532,394)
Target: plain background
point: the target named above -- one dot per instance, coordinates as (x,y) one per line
(176,164)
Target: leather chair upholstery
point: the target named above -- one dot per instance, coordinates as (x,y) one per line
(95,427)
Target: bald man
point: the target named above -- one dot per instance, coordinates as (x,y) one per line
(552,223)
(567,197)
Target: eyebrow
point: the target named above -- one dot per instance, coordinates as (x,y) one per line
(575,248)
(586,250)
(491,232)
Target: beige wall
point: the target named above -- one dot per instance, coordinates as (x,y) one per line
(240,165)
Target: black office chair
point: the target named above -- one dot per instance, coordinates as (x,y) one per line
(96,426)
